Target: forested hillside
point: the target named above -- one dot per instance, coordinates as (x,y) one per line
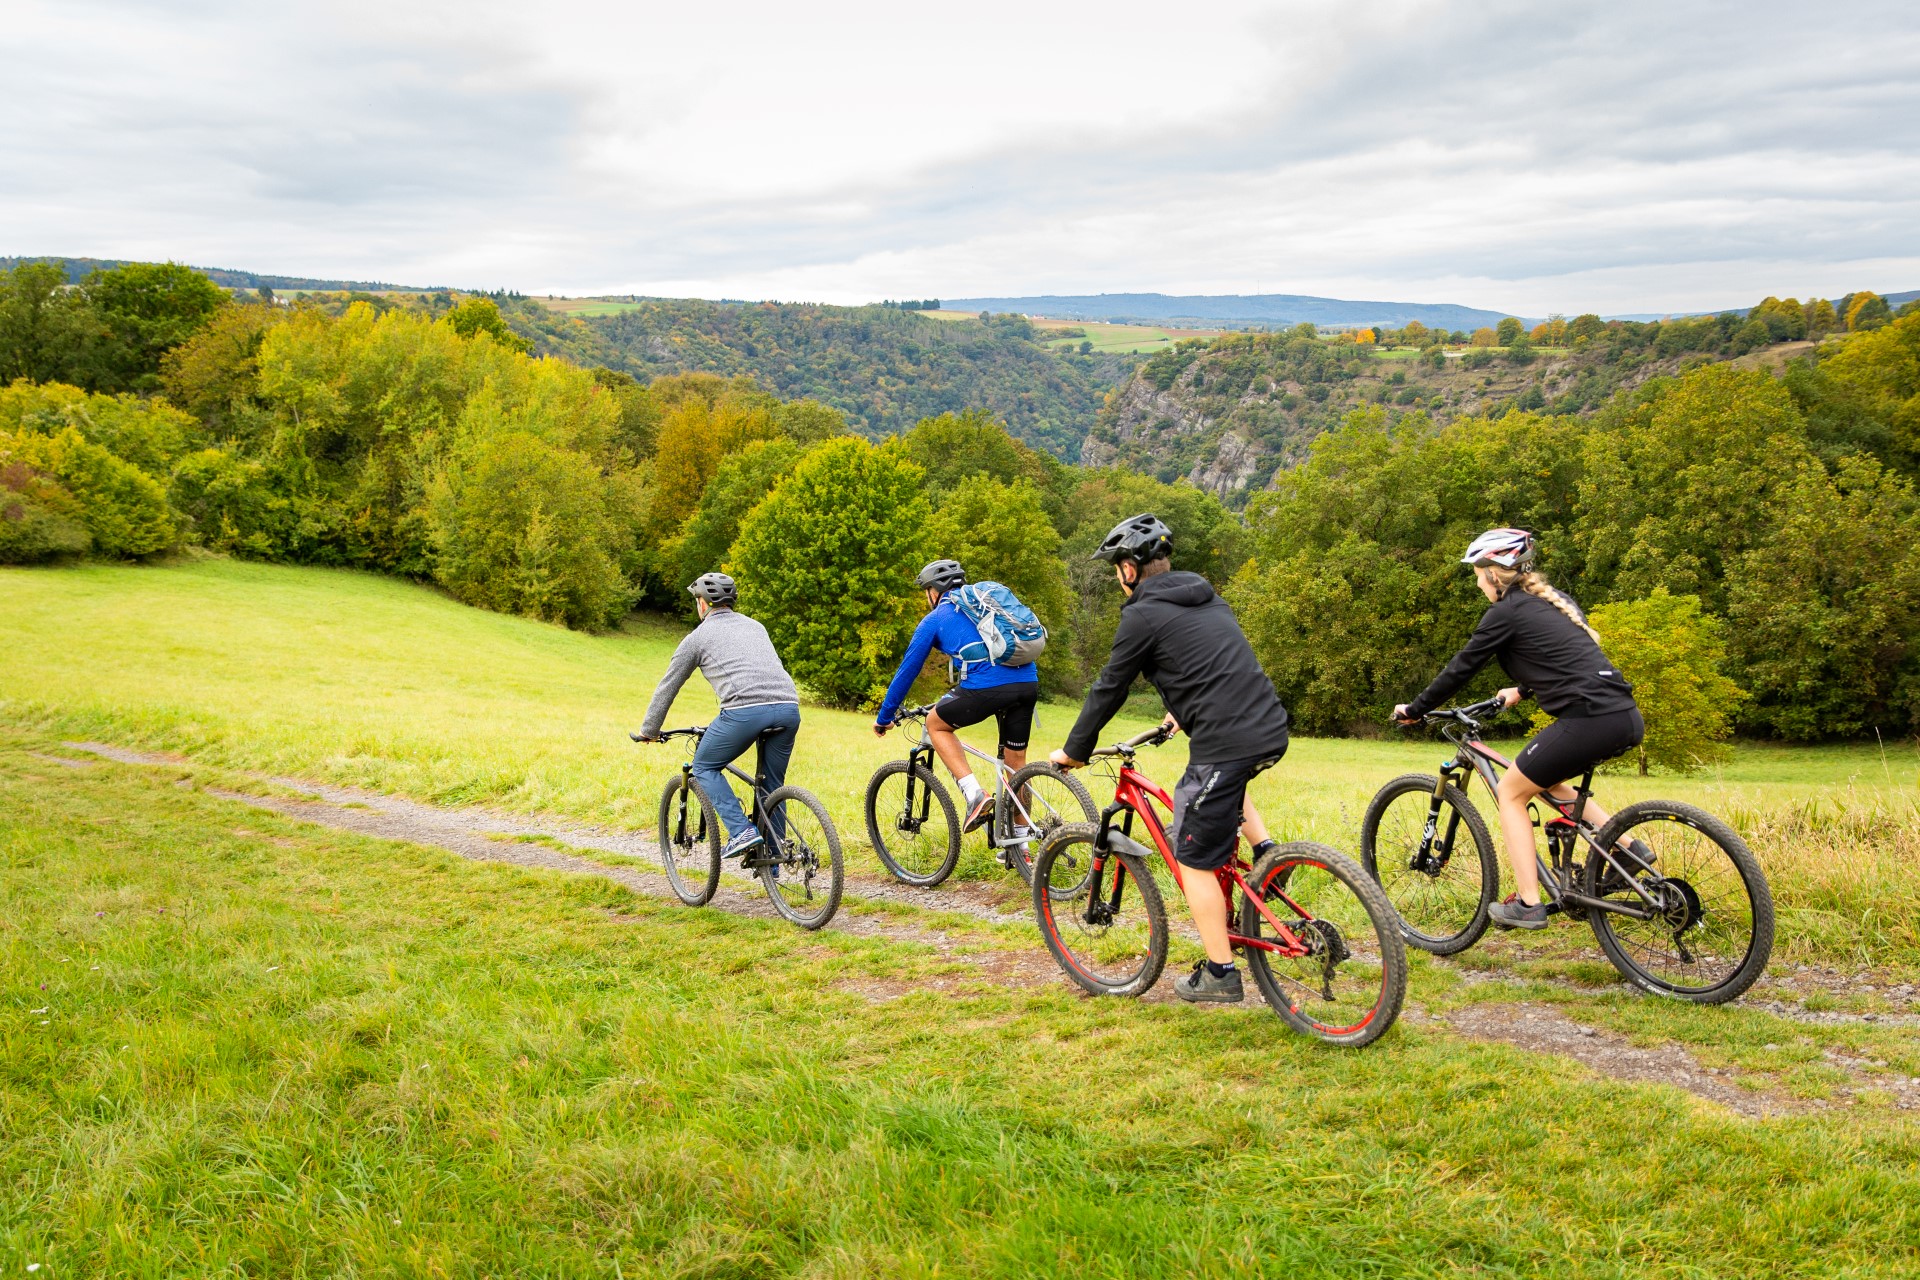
(1229,413)
(883,367)
(1748,538)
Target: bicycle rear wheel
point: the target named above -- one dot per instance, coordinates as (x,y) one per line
(800,866)
(1042,798)
(1348,982)
(1712,933)
(1110,932)
(689,841)
(1443,897)
(912,824)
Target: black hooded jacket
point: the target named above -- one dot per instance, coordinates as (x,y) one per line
(1177,632)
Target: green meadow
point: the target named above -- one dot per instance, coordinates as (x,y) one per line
(237,1043)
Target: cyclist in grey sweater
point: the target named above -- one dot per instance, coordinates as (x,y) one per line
(756,695)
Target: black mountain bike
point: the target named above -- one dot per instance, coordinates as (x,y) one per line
(915,829)
(1674,896)
(799,861)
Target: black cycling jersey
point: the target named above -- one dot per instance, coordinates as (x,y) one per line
(1177,632)
(1549,657)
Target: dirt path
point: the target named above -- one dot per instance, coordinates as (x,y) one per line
(485,835)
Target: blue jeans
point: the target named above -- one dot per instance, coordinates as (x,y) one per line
(728,738)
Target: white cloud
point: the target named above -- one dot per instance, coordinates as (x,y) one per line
(1638,157)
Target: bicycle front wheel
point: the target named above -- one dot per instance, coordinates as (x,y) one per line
(1343,977)
(1442,894)
(1107,924)
(912,824)
(689,841)
(801,866)
(1709,929)
(1039,800)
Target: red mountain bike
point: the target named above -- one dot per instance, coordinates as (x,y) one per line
(1319,936)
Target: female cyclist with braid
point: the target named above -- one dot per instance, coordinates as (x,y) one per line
(1542,640)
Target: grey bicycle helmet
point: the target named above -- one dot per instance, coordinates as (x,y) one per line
(941,575)
(714,588)
(1141,539)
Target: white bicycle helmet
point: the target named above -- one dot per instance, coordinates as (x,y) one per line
(1508,548)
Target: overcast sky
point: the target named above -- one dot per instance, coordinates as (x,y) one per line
(1617,157)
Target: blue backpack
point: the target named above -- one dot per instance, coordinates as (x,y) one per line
(1010,636)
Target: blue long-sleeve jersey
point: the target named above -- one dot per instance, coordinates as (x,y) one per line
(947,630)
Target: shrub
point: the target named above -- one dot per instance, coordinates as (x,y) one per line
(826,563)
(522,527)
(1673,654)
(146,433)
(39,519)
(124,510)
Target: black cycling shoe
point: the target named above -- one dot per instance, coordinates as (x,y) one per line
(1203,986)
(1515,914)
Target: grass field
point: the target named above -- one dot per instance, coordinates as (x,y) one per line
(587,306)
(234,1042)
(1107,339)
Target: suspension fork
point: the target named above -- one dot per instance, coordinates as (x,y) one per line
(1428,860)
(1100,908)
(922,756)
(686,791)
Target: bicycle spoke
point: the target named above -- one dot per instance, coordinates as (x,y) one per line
(1341,971)
(1105,925)
(1711,926)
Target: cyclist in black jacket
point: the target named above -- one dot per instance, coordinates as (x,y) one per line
(1543,641)
(1177,632)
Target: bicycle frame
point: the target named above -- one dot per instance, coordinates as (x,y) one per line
(1473,758)
(1130,797)
(755,784)
(922,753)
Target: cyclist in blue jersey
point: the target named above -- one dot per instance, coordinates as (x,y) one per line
(1008,694)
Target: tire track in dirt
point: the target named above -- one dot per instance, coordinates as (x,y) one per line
(484,835)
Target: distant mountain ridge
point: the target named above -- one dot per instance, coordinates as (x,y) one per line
(1263,309)
(226,277)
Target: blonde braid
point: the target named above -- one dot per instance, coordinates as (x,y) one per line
(1535,585)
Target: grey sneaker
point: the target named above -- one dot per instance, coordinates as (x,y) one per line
(1201,987)
(748,839)
(1515,914)
(978,812)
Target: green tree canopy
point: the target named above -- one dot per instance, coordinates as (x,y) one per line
(826,563)
(1823,612)
(1000,533)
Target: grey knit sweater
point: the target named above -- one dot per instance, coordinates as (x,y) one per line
(738,660)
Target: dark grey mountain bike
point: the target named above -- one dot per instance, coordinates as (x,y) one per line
(799,862)
(1674,896)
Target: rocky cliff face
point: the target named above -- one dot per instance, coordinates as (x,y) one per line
(1227,415)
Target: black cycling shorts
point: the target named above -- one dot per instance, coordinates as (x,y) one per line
(1572,745)
(1011,705)
(1206,809)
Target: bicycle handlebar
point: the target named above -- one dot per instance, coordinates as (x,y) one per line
(1151,738)
(1468,715)
(692,731)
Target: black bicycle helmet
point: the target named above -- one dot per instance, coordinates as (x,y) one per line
(1141,539)
(714,588)
(942,575)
